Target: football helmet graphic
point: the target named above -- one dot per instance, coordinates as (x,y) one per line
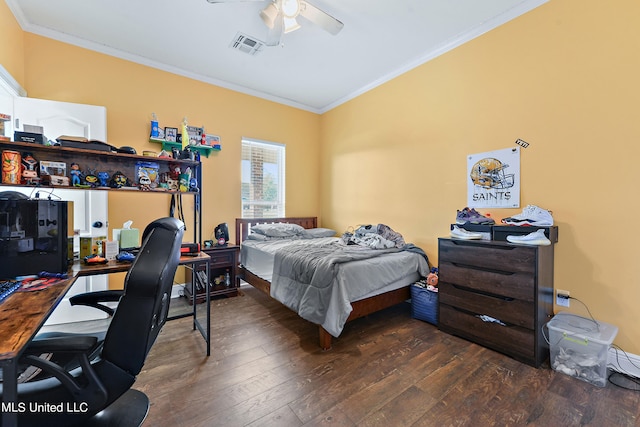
(489,173)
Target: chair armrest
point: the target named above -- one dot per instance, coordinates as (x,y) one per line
(93,299)
(91,391)
(66,344)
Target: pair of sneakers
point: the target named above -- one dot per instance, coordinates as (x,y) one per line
(537,238)
(472,216)
(531,215)
(461,233)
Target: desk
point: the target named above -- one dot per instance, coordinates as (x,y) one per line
(201,259)
(22,314)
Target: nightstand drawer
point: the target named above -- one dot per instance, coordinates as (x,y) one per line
(518,285)
(221,258)
(509,310)
(512,340)
(496,256)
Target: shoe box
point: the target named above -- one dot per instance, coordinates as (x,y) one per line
(500,232)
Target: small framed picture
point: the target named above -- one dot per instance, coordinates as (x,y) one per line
(212,140)
(170,134)
(208,243)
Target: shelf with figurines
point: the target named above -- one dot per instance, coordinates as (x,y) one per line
(30,164)
(172,138)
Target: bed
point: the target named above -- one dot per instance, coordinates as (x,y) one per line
(388,287)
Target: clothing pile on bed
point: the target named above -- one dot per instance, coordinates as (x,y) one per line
(379,236)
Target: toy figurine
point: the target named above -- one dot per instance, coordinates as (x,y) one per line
(183,182)
(119,180)
(29,170)
(174,170)
(172,184)
(91,179)
(144,181)
(193,185)
(103,178)
(75,174)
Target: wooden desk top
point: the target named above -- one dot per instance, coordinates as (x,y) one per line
(81,269)
(22,314)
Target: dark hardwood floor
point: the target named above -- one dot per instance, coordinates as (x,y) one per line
(387,369)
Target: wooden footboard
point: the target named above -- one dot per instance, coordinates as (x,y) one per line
(367,306)
(360,308)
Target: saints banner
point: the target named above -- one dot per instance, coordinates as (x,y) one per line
(494,179)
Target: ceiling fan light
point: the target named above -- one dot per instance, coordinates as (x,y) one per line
(269,15)
(290,8)
(290,24)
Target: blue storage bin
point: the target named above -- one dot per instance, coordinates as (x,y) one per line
(424,304)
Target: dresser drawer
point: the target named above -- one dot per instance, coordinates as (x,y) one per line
(509,284)
(514,341)
(494,256)
(509,310)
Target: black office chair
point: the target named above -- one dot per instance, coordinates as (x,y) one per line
(97,299)
(99,392)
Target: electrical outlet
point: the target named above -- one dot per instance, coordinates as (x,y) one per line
(562,298)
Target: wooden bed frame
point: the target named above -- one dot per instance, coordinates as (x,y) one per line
(360,308)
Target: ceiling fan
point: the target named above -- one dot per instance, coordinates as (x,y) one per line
(280,17)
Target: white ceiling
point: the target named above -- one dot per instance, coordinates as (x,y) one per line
(312,69)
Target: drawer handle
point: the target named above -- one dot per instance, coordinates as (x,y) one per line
(489,319)
(484,245)
(475,267)
(487,294)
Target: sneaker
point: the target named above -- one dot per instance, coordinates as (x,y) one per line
(531,215)
(472,216)
(536,238)
(461,233)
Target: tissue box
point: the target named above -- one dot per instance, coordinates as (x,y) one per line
(91,245)
(127,237)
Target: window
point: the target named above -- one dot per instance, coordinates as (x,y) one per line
(262,179)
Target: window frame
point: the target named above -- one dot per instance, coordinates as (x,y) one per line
(280,205)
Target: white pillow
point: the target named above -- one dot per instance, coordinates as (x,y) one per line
(280,229)
(259,237)
(315,233)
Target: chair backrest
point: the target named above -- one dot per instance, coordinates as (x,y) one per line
(143,308)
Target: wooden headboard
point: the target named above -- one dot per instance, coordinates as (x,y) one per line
(243,225)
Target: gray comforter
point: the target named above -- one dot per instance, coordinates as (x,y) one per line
(305,279)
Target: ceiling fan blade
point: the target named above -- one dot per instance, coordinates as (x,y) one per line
(320,18)
(275,31)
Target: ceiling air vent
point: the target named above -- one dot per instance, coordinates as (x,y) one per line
(246,44)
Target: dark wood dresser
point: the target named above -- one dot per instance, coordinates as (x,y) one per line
(497,294)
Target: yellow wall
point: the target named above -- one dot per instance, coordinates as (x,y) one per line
(11,45)
(565,78)
(131,92)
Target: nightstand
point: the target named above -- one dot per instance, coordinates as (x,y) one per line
(224,261)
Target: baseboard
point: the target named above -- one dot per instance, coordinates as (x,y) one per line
(626,363)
